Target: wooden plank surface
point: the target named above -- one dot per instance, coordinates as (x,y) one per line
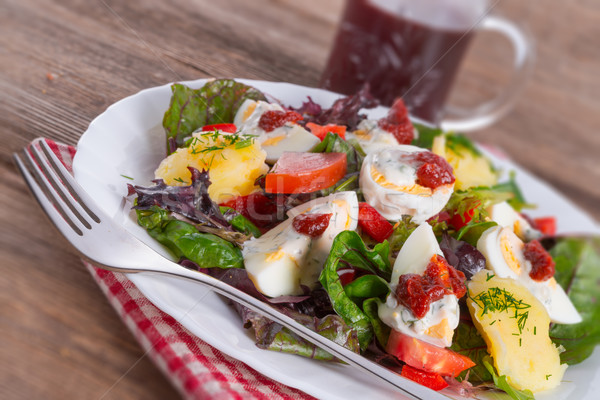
(63,62)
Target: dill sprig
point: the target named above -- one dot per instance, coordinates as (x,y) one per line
(499,300)
(220,141)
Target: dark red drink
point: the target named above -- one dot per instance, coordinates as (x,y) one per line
(398,57)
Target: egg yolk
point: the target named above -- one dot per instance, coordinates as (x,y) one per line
(379,178)
(509,251)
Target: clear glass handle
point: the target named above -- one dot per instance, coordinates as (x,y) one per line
(489,112)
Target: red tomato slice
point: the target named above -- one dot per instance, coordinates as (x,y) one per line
(305,172)
(546,225)
(430,379)
(425,356)
(229,128)
(321,131)
(258,208)
(460,220)
(373,223)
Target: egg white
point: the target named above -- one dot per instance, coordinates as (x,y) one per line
(503,251)
(504,215)
(372,138)
(289,137)
(282,260)
(390,186)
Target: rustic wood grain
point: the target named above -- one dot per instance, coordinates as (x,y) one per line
(63,62)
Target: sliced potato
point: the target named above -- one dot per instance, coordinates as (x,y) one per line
(232,167)
(514,325)
(470,169)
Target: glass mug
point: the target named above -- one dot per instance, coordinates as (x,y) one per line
(413,48)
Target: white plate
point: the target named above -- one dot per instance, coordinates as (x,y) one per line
(128,140)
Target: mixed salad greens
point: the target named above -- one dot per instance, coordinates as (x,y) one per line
(390,238)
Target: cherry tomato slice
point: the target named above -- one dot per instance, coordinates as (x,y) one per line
(373,223)
(546,225)
(430,379)
(305,172)
(321,131)
(229,128)
(425,356)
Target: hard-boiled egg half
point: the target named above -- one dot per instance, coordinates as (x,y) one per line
(389,184)
(371,137)
(504,255)
(283,260)
(504,215)
(289,137)
(437,327)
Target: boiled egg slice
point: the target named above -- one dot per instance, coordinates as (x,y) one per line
(289,137)
(504,215)
(371,137)
(274,261)
(282,261)
(503,251)
(438,325)
(344,209)
(389,185)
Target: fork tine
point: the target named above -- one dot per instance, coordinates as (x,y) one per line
(69,182)
(52,178)
(54,210)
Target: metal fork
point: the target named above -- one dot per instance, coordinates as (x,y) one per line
(108,245)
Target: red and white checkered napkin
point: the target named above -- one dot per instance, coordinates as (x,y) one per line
(196,369)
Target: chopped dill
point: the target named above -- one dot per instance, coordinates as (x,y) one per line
(499,300)
(489,276)
(535,330)
(548,376)
(220,141)
(127,177)
(179,180)
(493,322)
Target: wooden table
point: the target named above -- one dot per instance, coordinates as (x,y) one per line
(63,62)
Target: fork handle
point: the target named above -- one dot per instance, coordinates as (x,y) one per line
(409,388)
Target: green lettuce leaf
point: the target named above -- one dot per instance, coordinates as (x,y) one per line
(468,342)
(272,336)
(214,103)
(578,272)
(239,222)
(401,232)
(184,240)
(348,249)
(426,135)
(335,144)
(381,330)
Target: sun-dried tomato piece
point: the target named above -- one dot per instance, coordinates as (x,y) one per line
(273,119)
(417,292)
(312,225)
(432,170)
(398,123)
(542,264)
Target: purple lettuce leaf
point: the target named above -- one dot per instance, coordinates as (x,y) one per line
(462,256)
(272,336)
(193,201)
(344,111)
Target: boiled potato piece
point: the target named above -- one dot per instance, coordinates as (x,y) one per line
(470,169)
(514,325)
(232,167)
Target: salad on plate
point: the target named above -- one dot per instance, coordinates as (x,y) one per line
(392,238)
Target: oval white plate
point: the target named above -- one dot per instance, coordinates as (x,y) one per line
(128,140)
